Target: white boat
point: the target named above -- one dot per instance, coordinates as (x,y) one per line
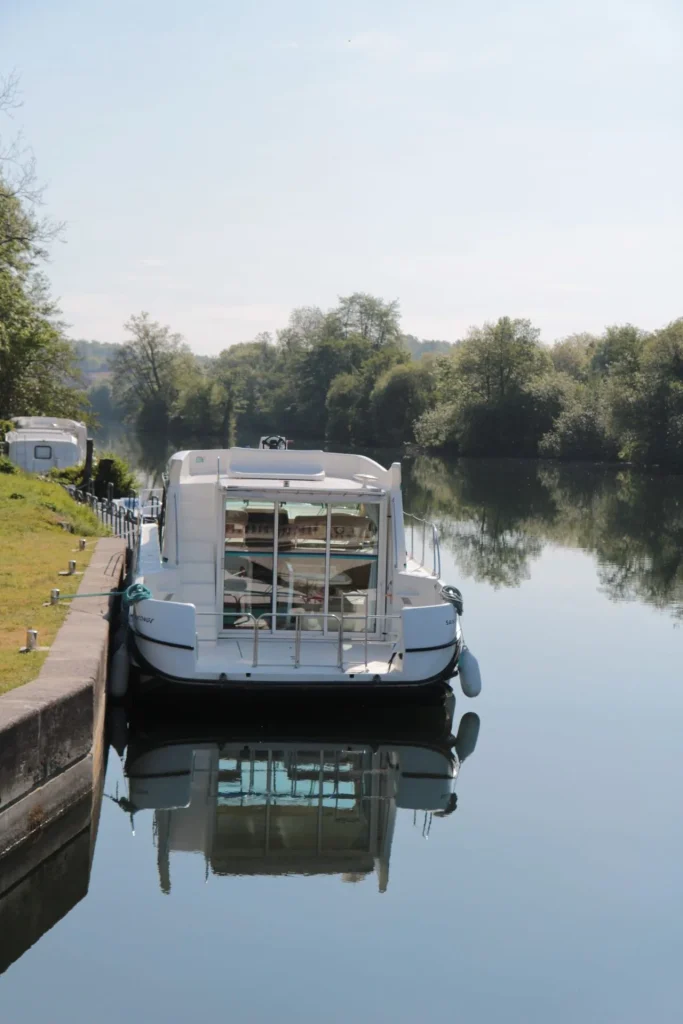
(144,506)
(272,567)
(41,443)
(277,805)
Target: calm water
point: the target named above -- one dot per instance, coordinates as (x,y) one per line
(552,893)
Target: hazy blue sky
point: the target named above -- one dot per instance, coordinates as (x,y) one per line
(218,163)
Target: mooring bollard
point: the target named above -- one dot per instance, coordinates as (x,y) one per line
(32,639)
(54,596)
(81,544)
(72,567)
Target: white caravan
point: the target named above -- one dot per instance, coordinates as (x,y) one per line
(275,567)
(41,443)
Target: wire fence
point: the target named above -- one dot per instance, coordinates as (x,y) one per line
(123,516)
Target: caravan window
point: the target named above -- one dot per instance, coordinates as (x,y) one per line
(42,451)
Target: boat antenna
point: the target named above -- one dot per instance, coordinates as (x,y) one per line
(218,469)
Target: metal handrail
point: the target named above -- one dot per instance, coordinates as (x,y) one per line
(300,614)
(436,548)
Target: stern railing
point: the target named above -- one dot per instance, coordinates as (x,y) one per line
(333,628)
(422,543)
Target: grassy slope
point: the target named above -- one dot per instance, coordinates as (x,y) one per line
(33,549)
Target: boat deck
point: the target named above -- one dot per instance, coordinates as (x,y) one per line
(236,656)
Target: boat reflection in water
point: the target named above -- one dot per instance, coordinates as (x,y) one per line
(279,802)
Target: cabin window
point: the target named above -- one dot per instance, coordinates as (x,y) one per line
(248,562)
(314,560)
(42,451)
(354,552)
(301,560)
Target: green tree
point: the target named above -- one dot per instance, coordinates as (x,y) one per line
(574,355)
(399,398)
(619,350)
(648,408)
(149,372)
(498,359)
(365,315)
(341,402)
(496,394)
(38,375)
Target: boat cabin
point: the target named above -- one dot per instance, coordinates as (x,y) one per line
(301,537)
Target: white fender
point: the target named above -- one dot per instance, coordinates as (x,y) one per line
(470,676)
(118,672)
(468,733)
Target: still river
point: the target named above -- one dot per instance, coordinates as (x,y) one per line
(552,892)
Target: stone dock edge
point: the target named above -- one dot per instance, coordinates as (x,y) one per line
(52,729)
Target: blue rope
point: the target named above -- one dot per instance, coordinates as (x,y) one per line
(135,593)
(131,595)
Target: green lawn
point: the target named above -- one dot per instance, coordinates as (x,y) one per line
(33,549)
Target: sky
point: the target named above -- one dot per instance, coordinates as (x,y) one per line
(218,162)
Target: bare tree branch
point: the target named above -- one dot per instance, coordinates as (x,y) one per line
(23,235)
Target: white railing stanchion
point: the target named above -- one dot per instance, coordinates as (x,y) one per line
(340,652)
(297,641)
(255,651)
(409,521)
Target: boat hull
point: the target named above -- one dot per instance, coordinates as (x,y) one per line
(152,677)
(166,645)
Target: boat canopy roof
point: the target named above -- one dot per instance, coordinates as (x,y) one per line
(265,469)
(39,435)
(51,422)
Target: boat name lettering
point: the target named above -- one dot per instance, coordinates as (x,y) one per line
(143,618)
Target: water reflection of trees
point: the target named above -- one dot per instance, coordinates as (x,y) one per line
(497,516)
(147,452)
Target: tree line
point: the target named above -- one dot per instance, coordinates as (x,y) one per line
(349,375)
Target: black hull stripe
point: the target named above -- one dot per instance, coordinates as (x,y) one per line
(162,643)
(426,775)
(158,775)
(439,647)
(251,685)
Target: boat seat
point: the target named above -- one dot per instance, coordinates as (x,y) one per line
(349,531)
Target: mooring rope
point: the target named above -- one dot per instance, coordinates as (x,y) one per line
(133,594)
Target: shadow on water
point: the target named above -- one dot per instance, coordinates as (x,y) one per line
(272,794)
(45,874)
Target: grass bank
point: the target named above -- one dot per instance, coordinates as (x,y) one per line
(34,547)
